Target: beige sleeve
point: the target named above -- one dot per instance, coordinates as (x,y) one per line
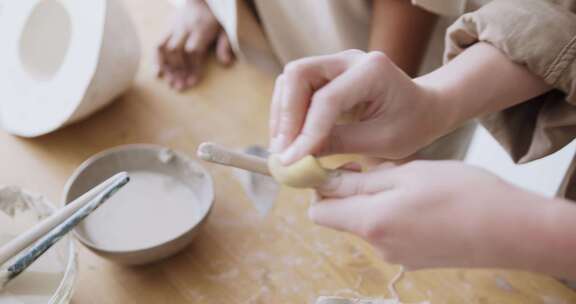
(540,35)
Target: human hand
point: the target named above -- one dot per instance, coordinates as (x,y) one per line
(397,116)
(182,53)
(429,214)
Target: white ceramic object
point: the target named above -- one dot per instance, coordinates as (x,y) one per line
(62,60)
(136,230)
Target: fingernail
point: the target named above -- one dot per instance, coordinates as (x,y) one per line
(332,183)
(278,143)
(273,146)
(287,156)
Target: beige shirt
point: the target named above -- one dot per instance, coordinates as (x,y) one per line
(541,35)
(275,32)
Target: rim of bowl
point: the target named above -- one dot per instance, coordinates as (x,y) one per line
(140,146)
(66,287)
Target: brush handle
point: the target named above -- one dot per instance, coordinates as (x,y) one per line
(217,154)
(24,240)
(54,235)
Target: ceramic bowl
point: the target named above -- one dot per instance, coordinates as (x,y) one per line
(143,158)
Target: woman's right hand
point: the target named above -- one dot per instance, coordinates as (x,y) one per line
(397,115)
(182,54)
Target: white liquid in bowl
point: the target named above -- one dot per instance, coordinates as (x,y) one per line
(151,209)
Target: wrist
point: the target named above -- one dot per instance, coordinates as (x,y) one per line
(477,82)
(439,103)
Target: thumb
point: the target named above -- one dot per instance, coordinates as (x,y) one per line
(348,183)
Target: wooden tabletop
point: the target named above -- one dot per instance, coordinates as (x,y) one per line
(239,257)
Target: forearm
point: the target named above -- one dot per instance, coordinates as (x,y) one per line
(479,81)
(401,31)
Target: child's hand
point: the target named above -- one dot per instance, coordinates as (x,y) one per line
(182,53)
(397,119)
(438,214)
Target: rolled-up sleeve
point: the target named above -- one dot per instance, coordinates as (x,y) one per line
(540,35)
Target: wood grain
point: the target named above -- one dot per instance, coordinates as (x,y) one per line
(240,257)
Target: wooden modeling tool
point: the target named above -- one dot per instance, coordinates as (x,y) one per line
(220,155)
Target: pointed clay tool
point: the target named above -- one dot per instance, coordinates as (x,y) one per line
(262,190)
(253,173)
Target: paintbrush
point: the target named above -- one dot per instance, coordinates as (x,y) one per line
(217,154)
(24,240)
(87,204)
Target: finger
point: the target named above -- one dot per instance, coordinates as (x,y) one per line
(183,80)
(224,49)
(352,87)
(161,56)
(175,62)
(193,71)
(349,183)
(337,213)
(383,165)
(199,41)
(193,44)
(275,140)
(301,78)
(160,71)
(171,78)
(349,214)
(351,166)
(193,53)
(180,84)
(177,41)
(192,80)
(175,78)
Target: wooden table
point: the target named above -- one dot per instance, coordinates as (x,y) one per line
(240,257)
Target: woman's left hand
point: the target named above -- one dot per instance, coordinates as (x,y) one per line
(436,214)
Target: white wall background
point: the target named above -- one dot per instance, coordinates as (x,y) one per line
(543,176)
